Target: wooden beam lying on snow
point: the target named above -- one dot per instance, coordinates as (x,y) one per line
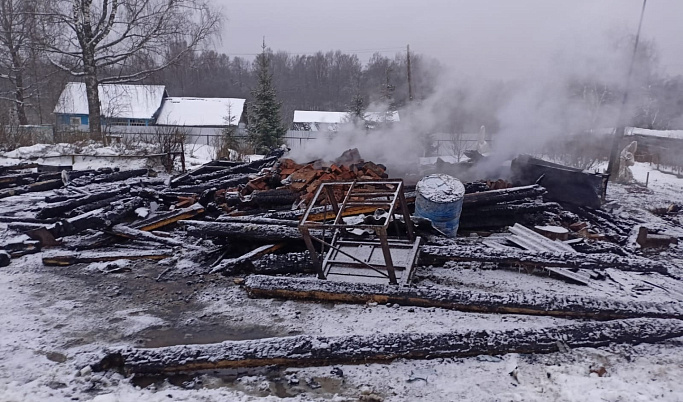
(438,255)
(75,258)
(307,350)
(479,302)
(160,221)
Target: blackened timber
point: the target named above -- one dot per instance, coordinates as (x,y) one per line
(496,216)
(278,264)
(438,255)
(258,220)
(222,183)
(131,233)
(94,205)
(89,257)
(505,195)
(160,221)
(109,178)
(233,264)
(250,167)
(58,209)
(96,219)
(244,231)
(480,302)
(309,350)
(281,196)
(46,185)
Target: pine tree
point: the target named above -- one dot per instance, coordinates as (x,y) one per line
(265,124)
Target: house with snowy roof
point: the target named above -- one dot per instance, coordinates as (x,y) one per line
(201,112)
(309,120)
(121,104)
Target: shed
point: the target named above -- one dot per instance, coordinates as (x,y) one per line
(201,112)
(121,104)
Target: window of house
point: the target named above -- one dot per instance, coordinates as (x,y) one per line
(137,122)
(75,121)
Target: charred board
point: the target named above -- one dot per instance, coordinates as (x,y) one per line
(75,258)
(493,197)
(307,350)
(479,302)
(438,255)
(244,231)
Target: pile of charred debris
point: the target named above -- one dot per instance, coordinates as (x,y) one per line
(290,226)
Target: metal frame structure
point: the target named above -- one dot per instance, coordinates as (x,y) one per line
(348,252)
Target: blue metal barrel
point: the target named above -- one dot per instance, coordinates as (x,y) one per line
(439,199)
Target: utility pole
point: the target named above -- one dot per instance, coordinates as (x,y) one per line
(613,166)
(410,79)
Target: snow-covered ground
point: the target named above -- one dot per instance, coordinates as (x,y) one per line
(55,321)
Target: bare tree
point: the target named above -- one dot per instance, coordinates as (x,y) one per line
(16,33)
(98,40)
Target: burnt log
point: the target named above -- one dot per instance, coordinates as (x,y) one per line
(18,249)
(257,220)
(108,178)
(463,300)
(97,220)
(222,183)
(281,196)
(250,167)
(58,209)
(438,255)
(308,350)
(66,259)
(94,205)
(136,234)
(505,195)
(245,231)
(46,185)
(168,218)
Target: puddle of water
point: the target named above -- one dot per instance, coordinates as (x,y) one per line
(200,334)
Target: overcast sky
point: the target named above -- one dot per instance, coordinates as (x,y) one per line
(496,38)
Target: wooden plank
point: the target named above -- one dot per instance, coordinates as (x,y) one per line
(157,222)
(308,350)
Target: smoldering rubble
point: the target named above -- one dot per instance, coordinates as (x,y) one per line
(346,231)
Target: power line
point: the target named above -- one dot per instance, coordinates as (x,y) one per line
(357,51)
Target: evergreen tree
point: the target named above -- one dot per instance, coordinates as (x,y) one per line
(265,124)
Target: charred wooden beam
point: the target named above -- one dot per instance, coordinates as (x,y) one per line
(308,350)
(243,231)
(257,220)
(46,185)
(496,216)
(75,258)
(94,205)
(169,218)
(18,249)
(505,195)
(438,255)
(97,219)
(59,208)
(26,219)
(233,264)
(480,302)
(108,178)
(222,183)
(136,234)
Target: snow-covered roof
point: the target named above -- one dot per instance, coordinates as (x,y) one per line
(117,100)
(197,112)
(674,134)
(310,116)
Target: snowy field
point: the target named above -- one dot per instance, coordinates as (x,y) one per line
(56,321)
